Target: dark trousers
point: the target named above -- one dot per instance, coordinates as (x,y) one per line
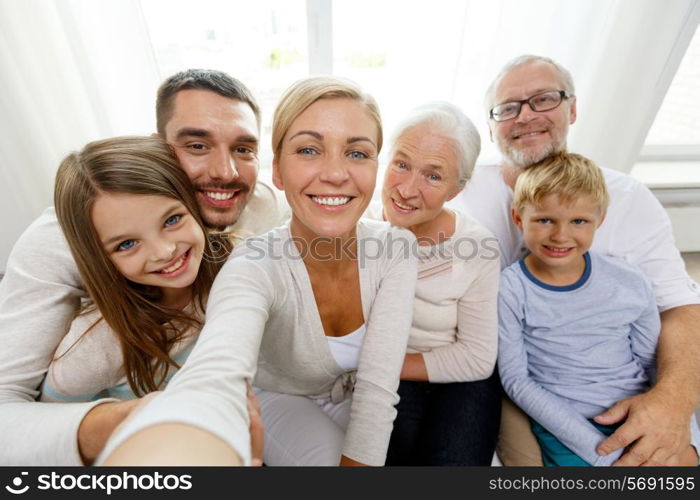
(446,424)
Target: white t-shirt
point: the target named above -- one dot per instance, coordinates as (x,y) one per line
(346,349)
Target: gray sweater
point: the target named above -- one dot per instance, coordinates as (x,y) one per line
(88,367)
(262,301)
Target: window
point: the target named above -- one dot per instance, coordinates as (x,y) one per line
(262,43)
(670,158)
(678,120)
(412,52)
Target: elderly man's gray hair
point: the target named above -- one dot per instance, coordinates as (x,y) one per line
(449,121)
(566,80)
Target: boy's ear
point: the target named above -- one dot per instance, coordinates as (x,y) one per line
(602,219)
(276,178)
(516,218)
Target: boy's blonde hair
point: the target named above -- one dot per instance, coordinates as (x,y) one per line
(568,175)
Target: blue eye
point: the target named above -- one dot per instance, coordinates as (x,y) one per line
(434,178)
(544,220)
(357,155)
(401,165)
(126,245)
(307,151)
(172,220)
(579,222)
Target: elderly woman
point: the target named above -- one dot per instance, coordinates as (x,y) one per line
(313,302)
(450,407)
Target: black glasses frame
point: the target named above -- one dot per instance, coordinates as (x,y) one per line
(562,94)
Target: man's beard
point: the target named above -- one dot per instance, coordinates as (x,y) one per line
(212,217)
(524,158)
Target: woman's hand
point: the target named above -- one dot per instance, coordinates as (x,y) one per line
(349,462)
(98,424)
(257,429)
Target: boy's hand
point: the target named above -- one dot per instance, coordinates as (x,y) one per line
(657,425)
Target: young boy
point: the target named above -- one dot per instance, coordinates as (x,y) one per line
(577,330)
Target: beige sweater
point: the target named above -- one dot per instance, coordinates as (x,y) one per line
(262,301)
(455,322)
(89,366)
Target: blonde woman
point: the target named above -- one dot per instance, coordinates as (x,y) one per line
(324,301)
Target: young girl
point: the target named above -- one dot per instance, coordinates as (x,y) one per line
(130,218)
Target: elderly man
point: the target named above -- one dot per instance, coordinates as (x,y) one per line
(531,104)
(213,123)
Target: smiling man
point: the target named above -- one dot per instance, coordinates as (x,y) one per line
(213,123)
(530,106)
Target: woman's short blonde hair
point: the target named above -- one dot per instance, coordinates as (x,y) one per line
(304,93)
(567,175)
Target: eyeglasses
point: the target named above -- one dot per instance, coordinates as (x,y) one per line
(545,101)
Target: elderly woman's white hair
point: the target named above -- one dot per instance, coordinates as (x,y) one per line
(449,121)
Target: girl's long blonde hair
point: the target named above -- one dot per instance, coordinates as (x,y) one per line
(146,330)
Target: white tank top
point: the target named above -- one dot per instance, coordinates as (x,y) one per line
(346,349)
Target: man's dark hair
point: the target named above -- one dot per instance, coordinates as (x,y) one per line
(200,79)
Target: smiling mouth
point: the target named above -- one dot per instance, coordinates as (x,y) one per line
(222,199)
(402,207)
(557,251)
(219,196)
(175,266)
(331,201)
(527,135)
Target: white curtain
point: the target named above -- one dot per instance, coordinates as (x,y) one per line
(622,54)
(631,66)
(70,72)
